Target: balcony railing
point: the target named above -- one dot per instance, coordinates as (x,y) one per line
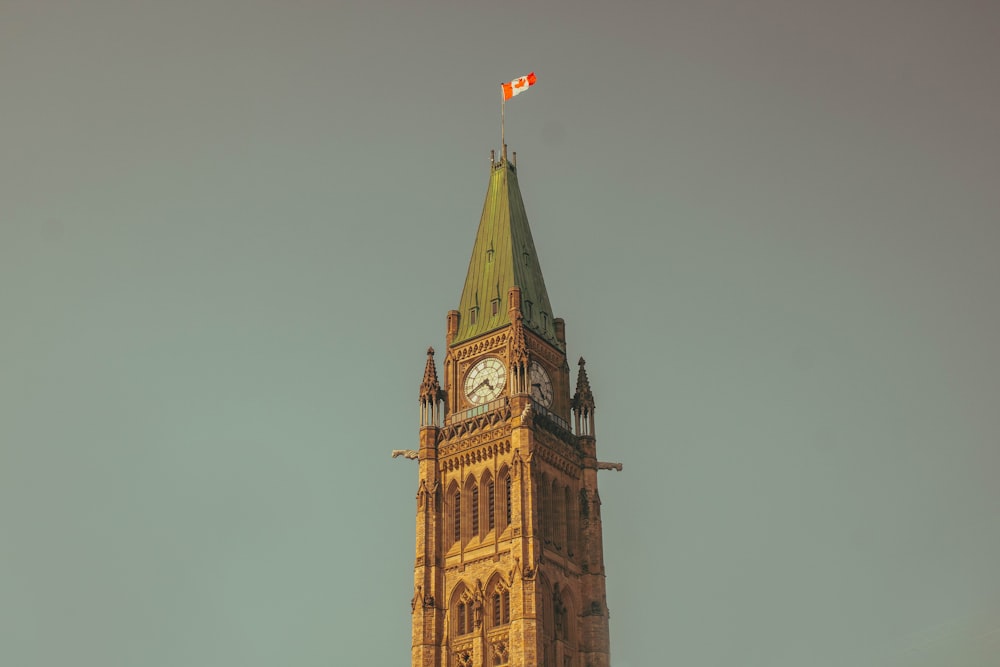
(548,414)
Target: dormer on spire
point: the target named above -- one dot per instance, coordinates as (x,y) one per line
(431,394)
(583,403)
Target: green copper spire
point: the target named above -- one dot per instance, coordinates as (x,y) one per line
(504,256)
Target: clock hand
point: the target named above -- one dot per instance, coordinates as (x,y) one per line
(479,386)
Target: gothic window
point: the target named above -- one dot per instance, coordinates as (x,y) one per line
(545,320)
(545,511)
(559,612)
(499,606)
(475,510)
(527,315)
(506,488)
(572,524)
(491,500)
(458,516)
(559,515)
(465,611)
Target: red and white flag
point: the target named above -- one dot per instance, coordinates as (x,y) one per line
(518,86)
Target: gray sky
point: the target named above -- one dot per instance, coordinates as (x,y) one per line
(229,230)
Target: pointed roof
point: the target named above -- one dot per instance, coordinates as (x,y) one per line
(502,257)
(430,388)
(584,397)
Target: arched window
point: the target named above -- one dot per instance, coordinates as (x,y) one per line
(463,611)
(499,597)
(458,516)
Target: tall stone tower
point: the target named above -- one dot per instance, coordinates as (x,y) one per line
(509,563)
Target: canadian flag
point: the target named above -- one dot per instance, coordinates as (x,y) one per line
(518,86)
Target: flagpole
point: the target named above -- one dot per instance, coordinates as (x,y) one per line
(503,103)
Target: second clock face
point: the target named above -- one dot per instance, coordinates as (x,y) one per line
(541,385)
(485,380)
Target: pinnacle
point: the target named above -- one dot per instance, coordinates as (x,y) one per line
(584,397)
(430,386)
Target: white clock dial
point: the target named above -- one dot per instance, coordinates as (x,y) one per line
(485,380)
(541,385)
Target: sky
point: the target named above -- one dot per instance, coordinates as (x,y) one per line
(229,230)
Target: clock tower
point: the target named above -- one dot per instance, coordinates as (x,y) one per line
(509,565)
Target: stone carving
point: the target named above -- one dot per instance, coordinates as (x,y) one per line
(500,655)
(481,346)
(420,597)
(605,465)
(406,453)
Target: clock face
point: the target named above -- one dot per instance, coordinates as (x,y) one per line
(485,380)
(541,385)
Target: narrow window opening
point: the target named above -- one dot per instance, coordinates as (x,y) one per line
(475,510)
(497,616)
(506,607)
(507,491)
(528,314)
(461,618)
(458,517)
(491,499)
(496,306)
(472,315)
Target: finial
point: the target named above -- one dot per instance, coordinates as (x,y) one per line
(582,362)
(504,158)
(493,157)
(430,352)
(515,159)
